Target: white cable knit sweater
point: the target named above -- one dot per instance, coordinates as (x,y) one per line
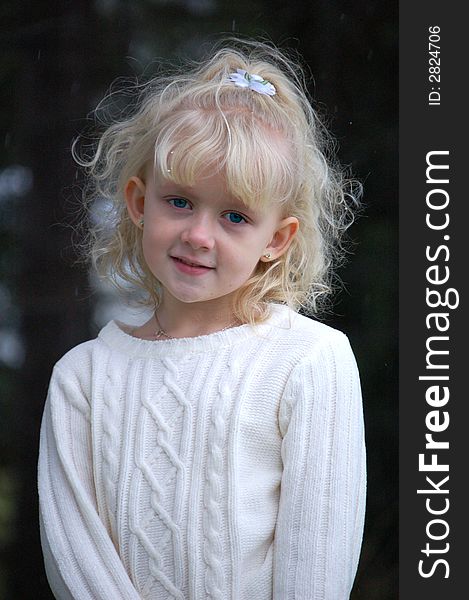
(229,466)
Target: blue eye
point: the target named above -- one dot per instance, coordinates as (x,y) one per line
(234,217)
(178,202)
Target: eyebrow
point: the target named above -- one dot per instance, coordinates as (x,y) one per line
(170,188)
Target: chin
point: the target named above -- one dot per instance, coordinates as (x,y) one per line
(189,298)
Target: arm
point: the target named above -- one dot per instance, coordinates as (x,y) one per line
(322,502)
(80,559)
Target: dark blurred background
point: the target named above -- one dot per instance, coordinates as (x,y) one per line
(57,60)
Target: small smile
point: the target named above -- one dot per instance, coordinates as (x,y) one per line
(191,262)
(190,266)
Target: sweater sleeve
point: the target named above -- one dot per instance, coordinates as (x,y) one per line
(322,502)
(80,558)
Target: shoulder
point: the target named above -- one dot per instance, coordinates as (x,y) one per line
(308,336)
(321,356)
(72,374)
(325,376)
(80,357)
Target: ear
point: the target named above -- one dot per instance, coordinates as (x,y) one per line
(282,238)
(134,193)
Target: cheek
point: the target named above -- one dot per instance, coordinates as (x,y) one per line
(153,247)
(246,265)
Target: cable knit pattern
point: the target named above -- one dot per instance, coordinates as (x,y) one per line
(112,416)
(159,482)
(77,399)
(225,467)
(213,550)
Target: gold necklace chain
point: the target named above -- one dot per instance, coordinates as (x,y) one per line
(160,332)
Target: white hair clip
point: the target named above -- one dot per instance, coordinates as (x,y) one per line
(254,82)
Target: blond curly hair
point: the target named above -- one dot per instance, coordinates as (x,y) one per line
(271,149)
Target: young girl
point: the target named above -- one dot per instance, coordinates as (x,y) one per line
(217,450)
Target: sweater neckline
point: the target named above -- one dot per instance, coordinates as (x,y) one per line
(117,335)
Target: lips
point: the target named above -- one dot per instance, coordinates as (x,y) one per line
(190,267)
(191,262)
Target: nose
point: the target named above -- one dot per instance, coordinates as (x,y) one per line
(199,233)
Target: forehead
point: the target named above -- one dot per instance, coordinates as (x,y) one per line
(256,161)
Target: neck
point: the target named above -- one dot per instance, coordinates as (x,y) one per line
(178,319)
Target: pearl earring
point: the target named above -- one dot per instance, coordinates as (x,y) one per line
(141,222)
(268,255)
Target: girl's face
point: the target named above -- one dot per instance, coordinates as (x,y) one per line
(200,242)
